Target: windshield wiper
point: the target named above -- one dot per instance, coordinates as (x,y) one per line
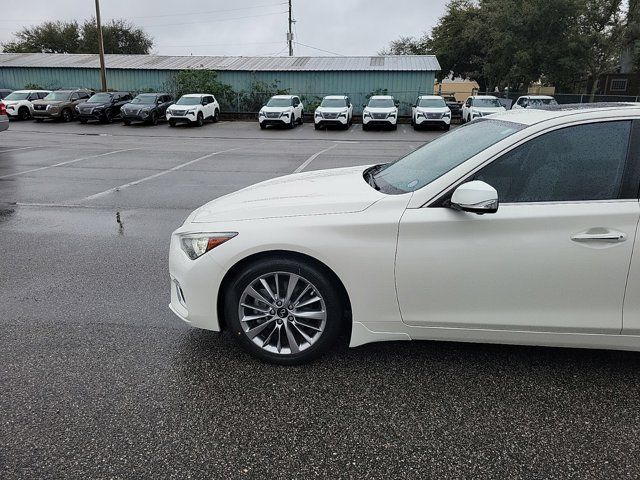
(369,175)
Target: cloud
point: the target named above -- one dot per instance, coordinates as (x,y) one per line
(246,27)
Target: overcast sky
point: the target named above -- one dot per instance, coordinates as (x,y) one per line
(245,27)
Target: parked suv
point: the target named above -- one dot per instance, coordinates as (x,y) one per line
(454,105)
(281,110)
(103,107)
(430,110)
(146,107)
(60,104)
(533,101)
(478,106)
(194,108)
(334,110)
(19,102)
(382,111)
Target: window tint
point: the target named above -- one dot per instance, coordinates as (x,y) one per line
(584,162)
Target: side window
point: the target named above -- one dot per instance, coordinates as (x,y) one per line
(348,102)
(468,102)
(33,96)
(42,94)
(74,97)
(211,99)
(585,162)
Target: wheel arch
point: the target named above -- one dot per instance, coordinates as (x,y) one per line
(279,255)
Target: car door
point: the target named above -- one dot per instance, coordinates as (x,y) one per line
(210,106)
(555,256)
(165,102)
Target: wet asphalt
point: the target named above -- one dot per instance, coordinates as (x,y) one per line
(99,380)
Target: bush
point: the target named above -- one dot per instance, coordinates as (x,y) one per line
(258,94)
(201,81)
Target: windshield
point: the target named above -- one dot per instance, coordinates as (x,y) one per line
(333,102)
(188,101)
(542,101)
(144,99)
(17,96)
(58,96)
(279,102)
(436,158)
(486,102)
(431,102)
(381,103)
(100,98)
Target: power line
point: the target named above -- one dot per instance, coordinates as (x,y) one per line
(217,44)
(319,49)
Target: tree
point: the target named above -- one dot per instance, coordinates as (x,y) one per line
(119,36)
(511,43)
(201,81)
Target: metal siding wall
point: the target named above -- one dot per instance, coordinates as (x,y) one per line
(405,86)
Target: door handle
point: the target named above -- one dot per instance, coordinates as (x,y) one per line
(599,235)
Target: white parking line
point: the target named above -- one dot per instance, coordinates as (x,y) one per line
(155,175)
(68,162)
(306,163)
(21,148)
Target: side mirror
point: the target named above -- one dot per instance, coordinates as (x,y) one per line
(476,197)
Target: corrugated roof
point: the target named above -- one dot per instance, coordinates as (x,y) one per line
(270,64)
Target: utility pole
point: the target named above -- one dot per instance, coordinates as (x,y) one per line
(290,33)
(103,71)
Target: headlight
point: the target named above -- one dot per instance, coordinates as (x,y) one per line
(261,113)
(366,113)
(284,114)
(318,114)
(446,114)
(197,244)
(392,114)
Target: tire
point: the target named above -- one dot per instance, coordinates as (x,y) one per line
(394,127)
(321,330)
(66,115)
(316,126)
(127,122)
(365,127)
(301,119)
(263,126)
(292,121)
(108,117)
(216,116)
(446,128)
(200,120)
(24,113)
(154,118)
(172,123)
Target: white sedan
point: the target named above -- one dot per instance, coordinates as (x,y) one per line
(517,228)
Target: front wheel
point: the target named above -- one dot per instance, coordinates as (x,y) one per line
(67,115)
(24,113)
(127,122)
(283,311)
(292,121)
(200,120)
(262,126)
(172,123)
(216,116)
(154,118)
(301,119)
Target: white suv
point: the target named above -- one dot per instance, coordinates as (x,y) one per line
(382,111)
(532,101)
(19,102)
(281,110)
(478,106)
(430,110)
(194,108)
(334,110)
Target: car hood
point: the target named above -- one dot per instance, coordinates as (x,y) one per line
(381,109)
(12,102)
(276,109)
(433,109)
(341,190)
(49,102)
(488,109)
(332,109)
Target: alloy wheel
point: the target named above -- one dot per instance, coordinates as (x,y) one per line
(282,313)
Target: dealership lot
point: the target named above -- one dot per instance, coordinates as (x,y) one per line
(100,380)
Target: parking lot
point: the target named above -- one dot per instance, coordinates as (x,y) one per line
(100,380)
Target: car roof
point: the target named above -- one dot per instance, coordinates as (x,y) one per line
(430,96)
(27,91)
(382,97)
(537,96)
(485,96)
(198,95)
(530,116)
(284,96)
(336,97)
